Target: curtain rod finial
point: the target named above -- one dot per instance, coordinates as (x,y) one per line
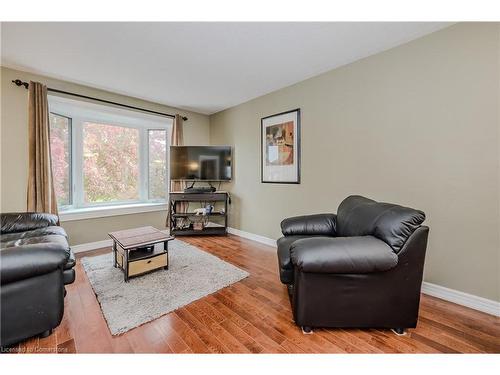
(18,82)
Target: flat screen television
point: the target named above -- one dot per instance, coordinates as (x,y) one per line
(201,163)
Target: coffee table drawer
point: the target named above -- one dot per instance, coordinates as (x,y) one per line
(145,265)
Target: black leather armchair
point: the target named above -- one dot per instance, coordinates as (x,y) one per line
(360,268)
(35,264)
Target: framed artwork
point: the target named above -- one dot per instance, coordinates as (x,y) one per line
(280,148)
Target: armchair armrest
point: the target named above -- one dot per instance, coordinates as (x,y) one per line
(343,255)
(319,224)
(24,221)
(25,261)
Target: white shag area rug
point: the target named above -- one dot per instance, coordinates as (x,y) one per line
(192,274)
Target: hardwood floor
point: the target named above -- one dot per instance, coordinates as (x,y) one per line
(254,316)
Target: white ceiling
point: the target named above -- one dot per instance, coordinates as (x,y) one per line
(204,67)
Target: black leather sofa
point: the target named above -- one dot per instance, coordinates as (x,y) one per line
(35,264)
(359,268)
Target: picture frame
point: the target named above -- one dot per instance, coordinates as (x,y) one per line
(280,148)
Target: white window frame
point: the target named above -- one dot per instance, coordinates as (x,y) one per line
(80,112)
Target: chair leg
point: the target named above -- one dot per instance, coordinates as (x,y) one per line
(399,331)
(44,334)
(306,330)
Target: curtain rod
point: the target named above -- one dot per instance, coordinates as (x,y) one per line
(18,82)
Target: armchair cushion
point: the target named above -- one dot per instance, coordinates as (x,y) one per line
(319,224)
(25,221)
(40,232)
(342,255)
(35,256)
(393,224)
(284,260)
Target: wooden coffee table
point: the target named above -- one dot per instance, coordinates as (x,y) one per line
(136,251)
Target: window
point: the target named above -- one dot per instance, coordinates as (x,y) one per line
(60,147)
(157,163)
(105,157)
(110,163)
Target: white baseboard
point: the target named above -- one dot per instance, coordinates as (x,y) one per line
(105,243)
(251,236)
(469,300)
(91,246)
(96,245)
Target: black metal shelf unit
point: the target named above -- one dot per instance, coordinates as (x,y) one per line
(181,222)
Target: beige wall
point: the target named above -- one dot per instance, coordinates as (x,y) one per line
(14,161)
(416,125)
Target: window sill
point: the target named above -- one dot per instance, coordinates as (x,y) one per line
(97,212)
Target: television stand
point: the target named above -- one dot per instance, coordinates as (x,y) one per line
(185,222)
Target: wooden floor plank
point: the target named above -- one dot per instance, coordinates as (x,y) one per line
(192,340)
(204,333)
(254,316)
(217,330)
